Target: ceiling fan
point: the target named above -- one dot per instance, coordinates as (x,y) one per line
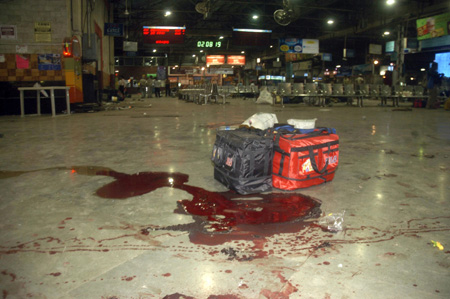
(285,15)
(204,8)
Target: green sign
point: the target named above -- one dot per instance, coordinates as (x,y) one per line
(433,26)
(209,44)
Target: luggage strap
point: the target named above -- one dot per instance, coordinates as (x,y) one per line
(310,149)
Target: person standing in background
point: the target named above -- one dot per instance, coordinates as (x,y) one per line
(122,85)
(143,87)
(433,82)
(167,87)
(157,88)
(150,87)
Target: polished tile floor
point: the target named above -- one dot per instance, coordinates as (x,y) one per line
(93,205)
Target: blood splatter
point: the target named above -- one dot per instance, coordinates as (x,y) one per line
(128,278)
(177,296)
(12,275)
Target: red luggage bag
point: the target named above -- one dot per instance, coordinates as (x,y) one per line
(304,160)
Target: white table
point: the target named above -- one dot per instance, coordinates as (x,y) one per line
(38,94)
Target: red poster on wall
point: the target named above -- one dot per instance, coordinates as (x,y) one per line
(236,59)
(215,59)
(22,62)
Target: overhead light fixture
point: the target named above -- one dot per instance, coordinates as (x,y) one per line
(338,66)
(193,55)
(242,52)
(330,22)
(165,27)
(154,50)
(168,13)
(258,60)
(376,62)
(126,8)
(201,51)
(220,37)
(386,33)
(255,17)
(390,2)
(422,70)
(252,30)
(271,46)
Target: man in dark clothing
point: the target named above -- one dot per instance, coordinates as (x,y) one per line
(433,82)
(167,87)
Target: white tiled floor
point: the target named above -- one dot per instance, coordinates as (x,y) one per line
(60,238)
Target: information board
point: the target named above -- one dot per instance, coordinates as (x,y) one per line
(163,35)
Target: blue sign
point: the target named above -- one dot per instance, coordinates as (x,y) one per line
(291,45)
(327,57)
(49,62)
(113,29)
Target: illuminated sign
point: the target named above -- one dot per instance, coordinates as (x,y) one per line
(215,59)
(163,35)
(209,44)
(236,59)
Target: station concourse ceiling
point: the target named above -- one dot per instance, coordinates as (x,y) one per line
(355,22)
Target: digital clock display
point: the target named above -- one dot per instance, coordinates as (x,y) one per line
(209,44)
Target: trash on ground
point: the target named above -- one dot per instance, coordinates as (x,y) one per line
(437,244)
(261,120)
(264,97)
(333,221)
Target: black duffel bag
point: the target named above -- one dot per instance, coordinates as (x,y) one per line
(243,160)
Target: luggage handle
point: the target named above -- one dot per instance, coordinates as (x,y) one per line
(313,161)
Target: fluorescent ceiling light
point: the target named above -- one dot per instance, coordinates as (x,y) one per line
(164,27)
(330,21)
(252,30)
(255,17)
(168,13)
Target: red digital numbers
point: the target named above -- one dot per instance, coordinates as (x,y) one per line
(163,35)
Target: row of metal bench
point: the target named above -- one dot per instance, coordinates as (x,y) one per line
(319,91)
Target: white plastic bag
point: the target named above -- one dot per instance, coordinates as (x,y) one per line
(334,222)
(303,123)
(261,120)
(264,97)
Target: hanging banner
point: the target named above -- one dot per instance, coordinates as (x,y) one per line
(310,46)
(291,45)
(297,45)
(433,27)
(375,49)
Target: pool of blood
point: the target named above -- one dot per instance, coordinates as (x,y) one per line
(224,211)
